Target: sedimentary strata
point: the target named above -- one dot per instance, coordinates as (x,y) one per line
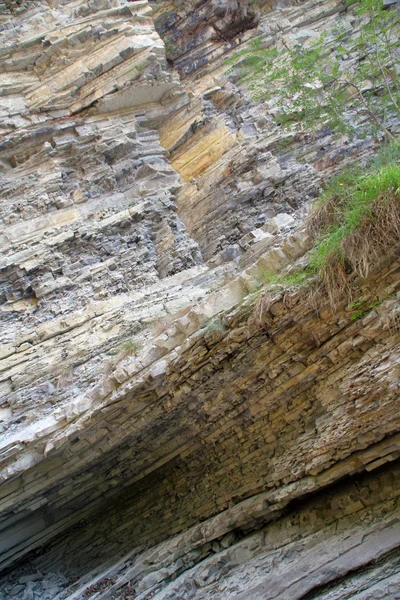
(161,436)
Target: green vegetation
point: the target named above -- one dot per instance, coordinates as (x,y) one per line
(316,83)
(294,278)
(272,283)
(129,348)
(364,204)
(362,308)
(322,83)
(355,222)
(141,68)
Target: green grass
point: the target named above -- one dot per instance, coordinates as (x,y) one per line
(355,206)
(341,187)
(265,295)
(388,154)
(130,347)
(356,221)
(287,280)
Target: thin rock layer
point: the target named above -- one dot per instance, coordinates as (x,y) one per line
(161,436)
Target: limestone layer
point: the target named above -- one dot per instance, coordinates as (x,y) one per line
(165,432)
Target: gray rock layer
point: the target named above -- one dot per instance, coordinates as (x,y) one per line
(162,434)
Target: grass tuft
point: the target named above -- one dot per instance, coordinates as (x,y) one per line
(285,279)
(273,283)
(356,222)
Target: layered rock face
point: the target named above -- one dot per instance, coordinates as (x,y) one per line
(163,436)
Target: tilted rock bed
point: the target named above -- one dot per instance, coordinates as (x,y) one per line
(157,439)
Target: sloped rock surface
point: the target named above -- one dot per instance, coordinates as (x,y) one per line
(160,436)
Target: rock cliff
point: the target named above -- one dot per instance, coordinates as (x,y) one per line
(161,437)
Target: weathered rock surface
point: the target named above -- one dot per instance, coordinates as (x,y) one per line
(161,437)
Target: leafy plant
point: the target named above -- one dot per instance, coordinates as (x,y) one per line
(357,314)
(355,304)
(315,85)
(363,308)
